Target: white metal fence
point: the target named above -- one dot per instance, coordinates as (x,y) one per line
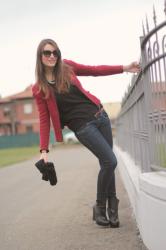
(141,125)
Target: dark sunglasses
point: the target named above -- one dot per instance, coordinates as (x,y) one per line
(47,53)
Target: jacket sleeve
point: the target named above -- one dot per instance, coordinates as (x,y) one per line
(44,120)
(100,70)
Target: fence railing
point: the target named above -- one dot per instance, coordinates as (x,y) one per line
(141,125)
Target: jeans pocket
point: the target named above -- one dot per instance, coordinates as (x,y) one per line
(84,128)
(80,131)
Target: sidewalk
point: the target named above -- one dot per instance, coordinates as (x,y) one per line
(37,216)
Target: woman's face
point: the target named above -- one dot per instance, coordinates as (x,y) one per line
(49,56)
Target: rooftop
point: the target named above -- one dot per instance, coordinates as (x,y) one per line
(26,93)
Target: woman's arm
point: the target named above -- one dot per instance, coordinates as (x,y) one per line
(100,70)
(44,121)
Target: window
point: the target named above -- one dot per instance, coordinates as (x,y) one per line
(6,111)
(27,108)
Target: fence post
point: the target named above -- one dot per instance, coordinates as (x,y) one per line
(146,87)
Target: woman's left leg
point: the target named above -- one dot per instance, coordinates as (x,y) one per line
(97,137)
(91,136)
(106,131)
(113,202)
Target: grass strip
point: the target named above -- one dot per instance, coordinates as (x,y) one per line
(10,156)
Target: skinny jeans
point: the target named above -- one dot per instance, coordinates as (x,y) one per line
(96,135)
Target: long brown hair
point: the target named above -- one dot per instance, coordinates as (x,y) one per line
(62,72)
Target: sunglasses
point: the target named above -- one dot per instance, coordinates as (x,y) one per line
(48,53)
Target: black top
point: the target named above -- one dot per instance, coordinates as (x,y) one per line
(75,108)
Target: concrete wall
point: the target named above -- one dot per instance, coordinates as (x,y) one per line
(147,194)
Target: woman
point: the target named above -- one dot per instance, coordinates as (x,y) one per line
(60,97)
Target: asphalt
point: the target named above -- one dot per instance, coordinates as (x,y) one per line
(37,216)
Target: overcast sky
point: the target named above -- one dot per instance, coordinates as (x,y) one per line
(87,31)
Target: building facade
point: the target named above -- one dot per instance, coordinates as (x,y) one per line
(18,114)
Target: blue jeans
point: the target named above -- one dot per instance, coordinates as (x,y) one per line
(96,135)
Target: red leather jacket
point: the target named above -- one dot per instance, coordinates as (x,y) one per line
(48,107)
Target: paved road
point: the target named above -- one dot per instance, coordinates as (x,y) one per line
(37,216)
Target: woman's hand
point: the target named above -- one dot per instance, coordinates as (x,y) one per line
(44,156)
(133,67)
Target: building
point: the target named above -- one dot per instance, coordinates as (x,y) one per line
(18,114)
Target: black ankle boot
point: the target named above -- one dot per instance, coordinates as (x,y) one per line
(113,211)
(99,215)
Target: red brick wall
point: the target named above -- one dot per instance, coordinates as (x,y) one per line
(20,117)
